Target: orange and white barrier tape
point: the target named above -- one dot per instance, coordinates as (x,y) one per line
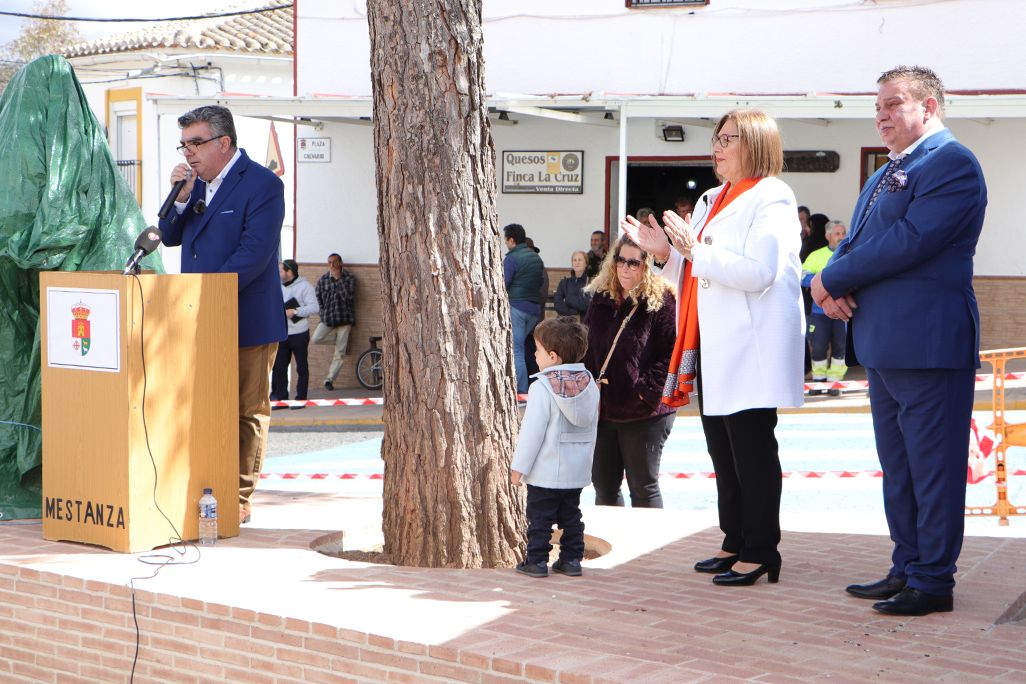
(370,401)
(797,474)
(322,476)
(983,381)
(837,384)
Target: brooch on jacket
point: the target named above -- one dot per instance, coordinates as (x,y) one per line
(897,180)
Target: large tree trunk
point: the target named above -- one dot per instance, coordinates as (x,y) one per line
(450,413)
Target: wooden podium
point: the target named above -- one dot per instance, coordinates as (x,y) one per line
(117,350)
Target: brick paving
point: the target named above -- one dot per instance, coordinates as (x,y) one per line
(265,607)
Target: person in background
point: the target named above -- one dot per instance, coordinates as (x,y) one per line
(812,239)
(543,291)
(803,220)
(630,337)
(543,298)
(300,302)
(227,219)
(903,278)
(522,271)
(597,252)
(815,238)
(554,450)
(684,206)
(827,338)
(741,329)
(336,296)
(570,298)
(643,214)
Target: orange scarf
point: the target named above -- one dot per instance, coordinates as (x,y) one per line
(684,360)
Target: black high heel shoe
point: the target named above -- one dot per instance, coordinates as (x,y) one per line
(743,579)
(716,565)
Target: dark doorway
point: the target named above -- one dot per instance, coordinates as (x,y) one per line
(656,185)
(656,182)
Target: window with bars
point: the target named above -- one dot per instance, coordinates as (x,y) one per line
(129,169)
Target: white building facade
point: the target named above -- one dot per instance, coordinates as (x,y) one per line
(241,56)
(600,81)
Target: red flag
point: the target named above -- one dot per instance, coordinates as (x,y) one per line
(274,153)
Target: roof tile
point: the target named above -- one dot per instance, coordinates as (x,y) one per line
(266,33)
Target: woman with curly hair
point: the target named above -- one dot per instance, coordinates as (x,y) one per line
(630,337)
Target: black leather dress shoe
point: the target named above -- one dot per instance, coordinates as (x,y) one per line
(716,565)
(884,589)
(910,601)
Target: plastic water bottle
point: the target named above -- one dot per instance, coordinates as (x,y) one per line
(208,518)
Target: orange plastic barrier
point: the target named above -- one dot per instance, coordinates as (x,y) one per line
(1007,434)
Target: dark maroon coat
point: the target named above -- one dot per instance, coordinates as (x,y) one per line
(637,370)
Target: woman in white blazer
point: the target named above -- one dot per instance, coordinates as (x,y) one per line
(738,256)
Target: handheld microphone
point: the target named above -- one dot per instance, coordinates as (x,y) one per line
(169,202)
(144,244)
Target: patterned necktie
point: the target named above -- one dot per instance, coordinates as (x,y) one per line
(892,166)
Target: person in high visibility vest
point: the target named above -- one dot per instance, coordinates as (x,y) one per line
(826,336)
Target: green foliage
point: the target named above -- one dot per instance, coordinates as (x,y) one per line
(38,37)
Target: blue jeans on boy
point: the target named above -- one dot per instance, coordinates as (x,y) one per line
(548,507)
(523,324)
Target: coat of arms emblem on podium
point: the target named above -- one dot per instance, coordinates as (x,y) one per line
(80,328)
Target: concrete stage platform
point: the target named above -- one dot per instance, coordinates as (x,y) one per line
(265,608)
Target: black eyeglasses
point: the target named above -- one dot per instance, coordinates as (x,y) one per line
(632,264)
(725,139)
(193,145)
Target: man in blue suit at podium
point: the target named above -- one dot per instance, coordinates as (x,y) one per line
(227,219)
(903,278)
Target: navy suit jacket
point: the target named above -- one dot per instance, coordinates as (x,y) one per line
(239,233)
(909,263)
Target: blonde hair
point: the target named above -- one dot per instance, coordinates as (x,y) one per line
(651,288)
(762,150)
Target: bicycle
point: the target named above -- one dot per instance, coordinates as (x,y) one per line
(368,367)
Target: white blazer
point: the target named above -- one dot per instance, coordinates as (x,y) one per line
(751,320)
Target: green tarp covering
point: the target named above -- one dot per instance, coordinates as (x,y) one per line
(64,206)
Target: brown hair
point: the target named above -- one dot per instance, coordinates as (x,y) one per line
(761,146)
(923,83)
(566,336)
(651,288)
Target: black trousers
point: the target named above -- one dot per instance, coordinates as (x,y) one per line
(634,449)
(545,508)
(294,345)
(748,481)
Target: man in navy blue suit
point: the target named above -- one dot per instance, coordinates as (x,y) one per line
(227,219)
(903,278)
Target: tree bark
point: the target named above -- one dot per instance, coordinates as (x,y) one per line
(450,413)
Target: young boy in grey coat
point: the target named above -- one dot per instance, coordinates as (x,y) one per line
(557,440)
